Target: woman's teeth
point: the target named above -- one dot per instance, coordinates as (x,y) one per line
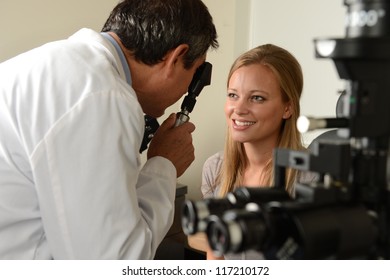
(240,123)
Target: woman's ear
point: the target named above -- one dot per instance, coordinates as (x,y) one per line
(287,111)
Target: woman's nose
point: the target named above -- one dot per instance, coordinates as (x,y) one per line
(241,107)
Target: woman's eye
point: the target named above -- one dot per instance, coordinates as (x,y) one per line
(257,98)
(231,95)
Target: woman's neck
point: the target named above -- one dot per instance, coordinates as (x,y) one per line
(255,173)
(258,155)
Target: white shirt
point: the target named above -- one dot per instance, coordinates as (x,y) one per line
(71,181)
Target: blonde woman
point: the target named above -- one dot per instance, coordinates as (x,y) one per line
(264,87)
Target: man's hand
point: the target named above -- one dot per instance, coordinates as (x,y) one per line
(174,144)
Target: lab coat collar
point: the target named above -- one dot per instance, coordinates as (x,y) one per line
(90,36)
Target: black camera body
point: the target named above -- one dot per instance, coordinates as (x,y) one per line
(201,78)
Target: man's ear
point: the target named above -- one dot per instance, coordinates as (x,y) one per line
(174,56)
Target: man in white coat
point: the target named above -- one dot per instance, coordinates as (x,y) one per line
(71,125)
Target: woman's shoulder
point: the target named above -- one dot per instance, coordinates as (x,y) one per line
(211,169)
(213,163)
(307,177)
(215,159)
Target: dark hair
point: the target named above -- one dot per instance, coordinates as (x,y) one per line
(150,28)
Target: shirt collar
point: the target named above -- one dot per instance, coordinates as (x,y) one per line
(122,57)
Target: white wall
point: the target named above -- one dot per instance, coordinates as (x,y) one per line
(240,24)
(293,25)
(243,24)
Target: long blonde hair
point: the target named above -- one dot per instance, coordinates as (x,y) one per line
(289,74)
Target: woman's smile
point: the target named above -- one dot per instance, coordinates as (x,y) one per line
(242,124)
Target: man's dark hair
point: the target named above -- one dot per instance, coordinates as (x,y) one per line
(150,28)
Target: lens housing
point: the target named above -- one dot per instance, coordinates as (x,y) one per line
(237,230)
(367,18)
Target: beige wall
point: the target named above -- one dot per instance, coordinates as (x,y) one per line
(231,18)
(240,24)
(29,23)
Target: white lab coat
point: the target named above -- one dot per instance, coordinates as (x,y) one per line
(71,181)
